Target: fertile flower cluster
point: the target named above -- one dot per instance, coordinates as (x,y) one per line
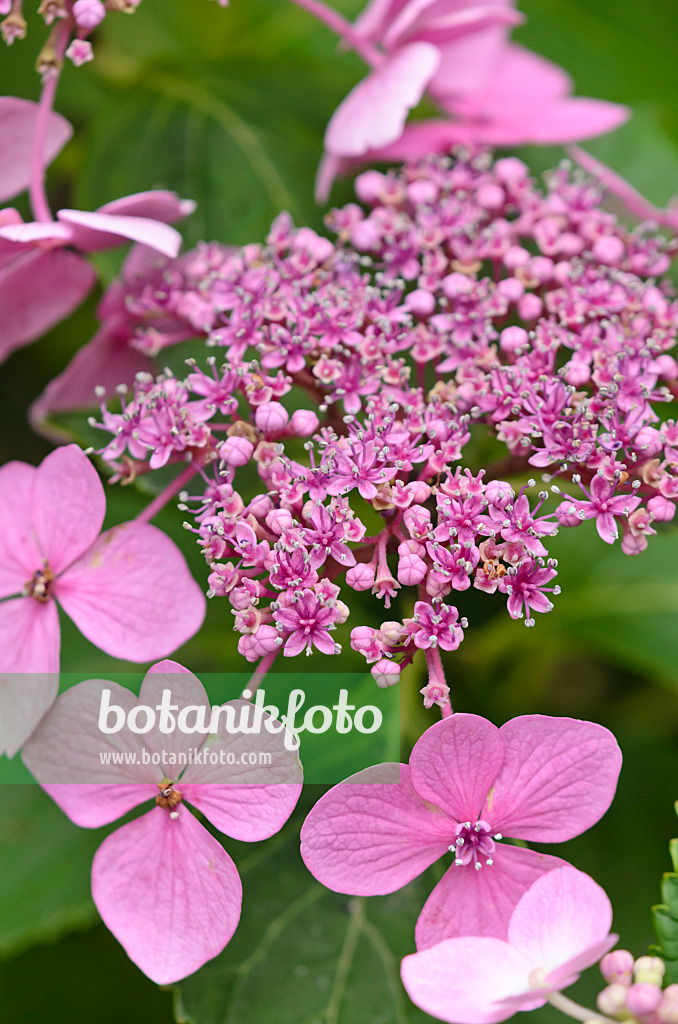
(465,313)
(634,989)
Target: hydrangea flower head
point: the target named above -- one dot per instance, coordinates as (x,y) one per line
(467,786)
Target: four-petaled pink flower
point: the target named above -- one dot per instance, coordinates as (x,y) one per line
(163,885)
(560,926)
(128,590)
(306,620)
(467,785)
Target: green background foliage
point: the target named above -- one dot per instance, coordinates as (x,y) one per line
(228,107)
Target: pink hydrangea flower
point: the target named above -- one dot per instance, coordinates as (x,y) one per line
(128,589)
(163,885)
(560,926)
(42,280)
(468,784)
(17,123)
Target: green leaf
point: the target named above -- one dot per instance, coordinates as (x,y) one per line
(45,864)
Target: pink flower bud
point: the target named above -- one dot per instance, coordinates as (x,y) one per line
(391,632)
(88,14)
(362,637)
(617,967)
(667,1011)
(643,998)
(420,491)
(411,569)
(499,493)
(650,969)
(420,302)
(304,422)
(422,191)
(515,257)
(360,576)
(609,249)
(369,186)
(271,418)
(511,288)
(611,1001)
(278,520)
(386,672)
(512,338)
(530,307)
(510,169)
(236,451)
(80,52)
(661,508)
(491,197)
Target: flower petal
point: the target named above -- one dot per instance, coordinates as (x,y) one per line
(470,902)
(186,691)
(132,594)
(30,637)
(455,762)
(158,204)
(464,980)
(558,779)
(17,124)
(20,555)
(24,699)
(37,290)
(94,231)
(368,837)
(69,506)
(168,891)
(374,112)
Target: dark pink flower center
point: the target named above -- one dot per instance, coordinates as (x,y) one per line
(40,584)
(474,844)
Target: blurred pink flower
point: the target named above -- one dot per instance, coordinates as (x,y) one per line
(128,589)
(42,280)
(467,785)
(560,926)
(493,92)
(164,886)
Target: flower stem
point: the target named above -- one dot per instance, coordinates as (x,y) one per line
(572,1009)
(39,204)
(161,500)
(260,672)
(343,29)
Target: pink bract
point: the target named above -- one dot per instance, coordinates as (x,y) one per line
(559,927)
(163,885)
(468,784)
(128,589)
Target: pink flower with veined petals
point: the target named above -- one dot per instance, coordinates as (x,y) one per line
(306,620)
(128,589)
(559,927)
(163,885)
(467,785)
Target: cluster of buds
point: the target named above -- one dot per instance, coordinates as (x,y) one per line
(634,990)
(465,312)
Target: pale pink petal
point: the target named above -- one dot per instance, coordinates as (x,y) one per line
(558,779)
(168,891)
(464,980)
(37,231)
(374,112)
(20,555)
(520,80)
(470,902)
(24,699)
(106,361)
(467,63)
(562,916)
(246,801)
(17,125)
(94,231)
(132,594)
(447,29)
(329,168)
(377,16)
(455,763)
(185,692)
(559,123)
(368,838)
(68,506)
(30,637)
(37,290)
(158,204)
(72,745)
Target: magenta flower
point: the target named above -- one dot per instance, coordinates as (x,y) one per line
(560,926)
(603,506)
(163,885)
(468,784)
(128,589)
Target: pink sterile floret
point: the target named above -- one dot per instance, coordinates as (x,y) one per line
(467,785)
(128,589)
(163,885)
(560,926)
